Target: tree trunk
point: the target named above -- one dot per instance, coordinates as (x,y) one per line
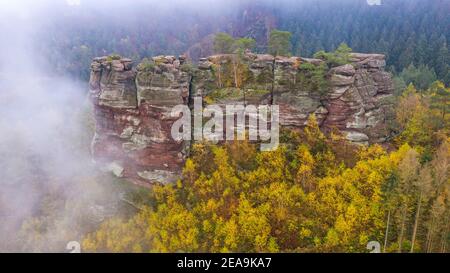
(220,74)
(429,235)
(402,230)
(387,231)
(444,238)
(235,74)
(443,243)
(416,223)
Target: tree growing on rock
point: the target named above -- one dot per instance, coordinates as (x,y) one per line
(339,57)
(223,43)
(280,43)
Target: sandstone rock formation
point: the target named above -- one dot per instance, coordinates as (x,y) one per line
(133,122)
(132,105)
(359,102)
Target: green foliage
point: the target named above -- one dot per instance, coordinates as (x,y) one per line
(440,100)
(399,85)
(265,77)
(225,44)
(242,44)
(422,77)
(256,92)
(223,94)
(113,57)
(423,117)
(146,65)
(280,43)
(188,68)
(339,57)
(232,72)
(313,78)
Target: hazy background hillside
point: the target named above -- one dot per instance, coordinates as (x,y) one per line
(407,31)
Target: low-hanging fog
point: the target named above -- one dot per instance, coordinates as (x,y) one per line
(40,127)
(48,187)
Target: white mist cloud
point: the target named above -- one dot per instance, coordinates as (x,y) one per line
(73,2)
(40,129)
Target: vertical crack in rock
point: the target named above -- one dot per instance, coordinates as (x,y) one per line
(272,89)
(191,107)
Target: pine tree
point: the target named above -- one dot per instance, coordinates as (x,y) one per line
(280,43)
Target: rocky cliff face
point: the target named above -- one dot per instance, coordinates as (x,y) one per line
(133,122)
(360,99)
(132,105)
